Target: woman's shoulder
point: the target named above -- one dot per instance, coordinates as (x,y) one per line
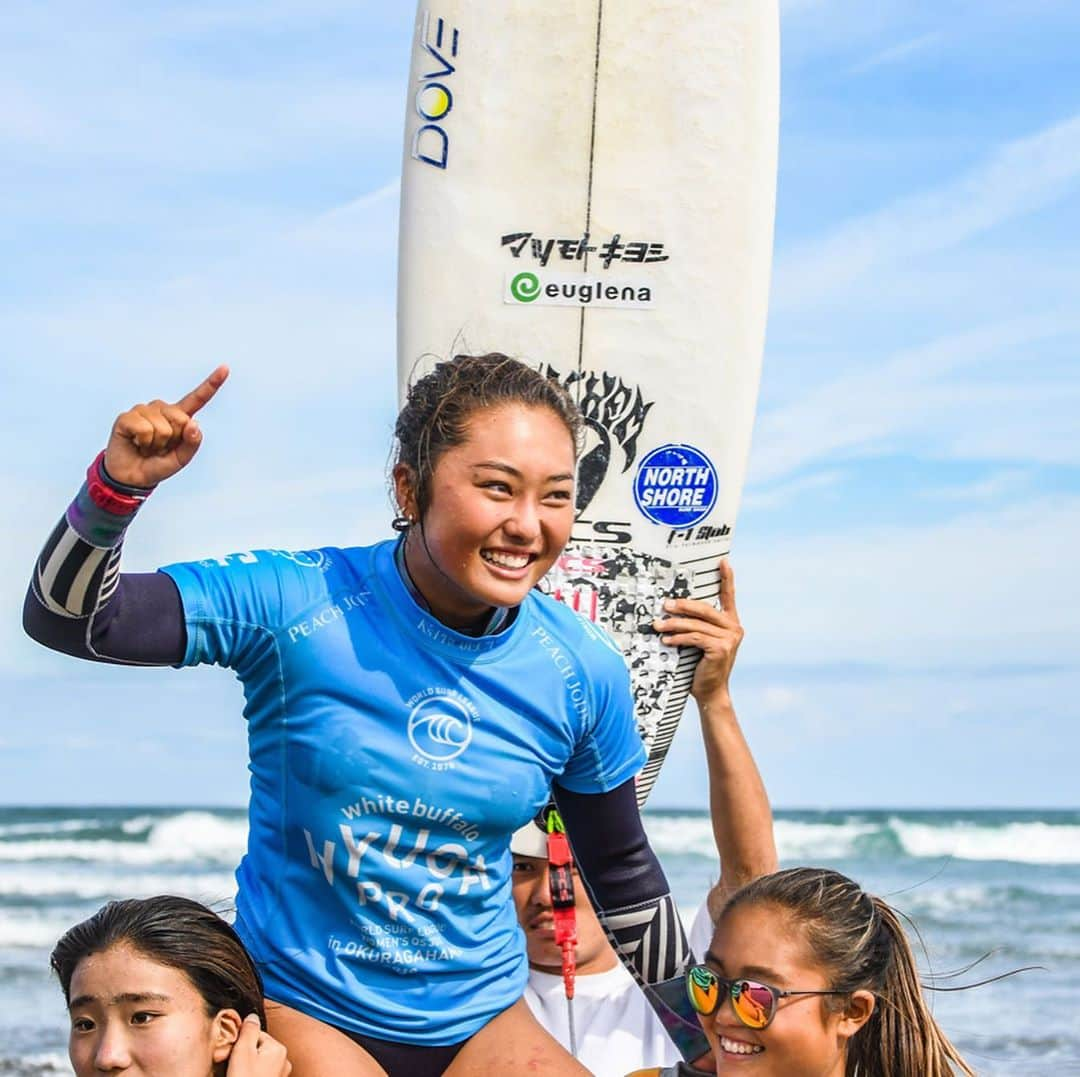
(576,641)
(574,629)
(337,564)
(276,578)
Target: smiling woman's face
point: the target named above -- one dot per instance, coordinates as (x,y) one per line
(134,1017)
(807,1036)
(500,511)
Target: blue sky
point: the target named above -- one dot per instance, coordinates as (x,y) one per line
(187,184)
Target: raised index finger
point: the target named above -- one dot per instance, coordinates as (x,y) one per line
(203,393)
(727,587)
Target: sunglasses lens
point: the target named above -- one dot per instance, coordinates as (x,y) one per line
(703,989)
(753,1003)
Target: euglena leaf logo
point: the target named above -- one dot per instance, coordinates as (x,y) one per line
(525,287)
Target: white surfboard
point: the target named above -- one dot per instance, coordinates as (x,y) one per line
(590,187)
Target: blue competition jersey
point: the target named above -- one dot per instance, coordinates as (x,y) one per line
(391,759)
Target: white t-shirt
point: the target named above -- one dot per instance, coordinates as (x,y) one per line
(617,1030)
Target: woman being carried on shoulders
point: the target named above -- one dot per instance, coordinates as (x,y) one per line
(408,709)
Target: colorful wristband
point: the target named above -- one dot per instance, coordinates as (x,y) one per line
(113,497)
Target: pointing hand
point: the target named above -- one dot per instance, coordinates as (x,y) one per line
(152,442)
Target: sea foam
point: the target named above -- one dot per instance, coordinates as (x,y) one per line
(806,841)
(1019,842)
(191,837)
(37,883)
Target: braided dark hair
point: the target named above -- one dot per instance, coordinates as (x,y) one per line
(440,404)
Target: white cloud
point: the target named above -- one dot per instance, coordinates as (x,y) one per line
(1010,481)
(194,124)
(902,737)
(1018,178)
(993,586)
(798,7)
(113,89)
(324,288)
(196,18)
(775,495)
(921,393)
(904,50)
(779,699)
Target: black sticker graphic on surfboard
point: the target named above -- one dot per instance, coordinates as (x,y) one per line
(614,414)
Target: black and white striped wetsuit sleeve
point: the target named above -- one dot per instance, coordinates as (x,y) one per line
(80,603)
(633,903)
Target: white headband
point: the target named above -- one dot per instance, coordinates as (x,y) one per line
(530,840)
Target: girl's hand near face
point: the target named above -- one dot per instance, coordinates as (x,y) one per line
(152,442)
(716,632)
(257,1053)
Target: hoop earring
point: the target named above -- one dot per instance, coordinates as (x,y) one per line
(401,523)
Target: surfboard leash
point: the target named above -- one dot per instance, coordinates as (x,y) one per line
(561,886)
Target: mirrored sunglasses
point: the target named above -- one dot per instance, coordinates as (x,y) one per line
(754,1003)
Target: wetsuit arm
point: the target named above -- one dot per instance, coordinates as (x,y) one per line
(633,903)
(79,603)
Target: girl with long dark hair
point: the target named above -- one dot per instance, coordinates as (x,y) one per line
(163,987)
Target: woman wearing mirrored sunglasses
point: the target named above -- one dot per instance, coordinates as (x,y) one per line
(809,975)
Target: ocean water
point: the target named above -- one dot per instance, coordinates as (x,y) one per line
(973,882)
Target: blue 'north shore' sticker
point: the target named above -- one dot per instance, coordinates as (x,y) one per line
(676,485)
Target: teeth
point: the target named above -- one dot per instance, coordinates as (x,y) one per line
(737,1048)
(505,560)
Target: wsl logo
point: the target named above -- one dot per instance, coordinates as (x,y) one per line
(434,98)
(440,726)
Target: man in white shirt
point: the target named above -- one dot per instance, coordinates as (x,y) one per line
(617,1031)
